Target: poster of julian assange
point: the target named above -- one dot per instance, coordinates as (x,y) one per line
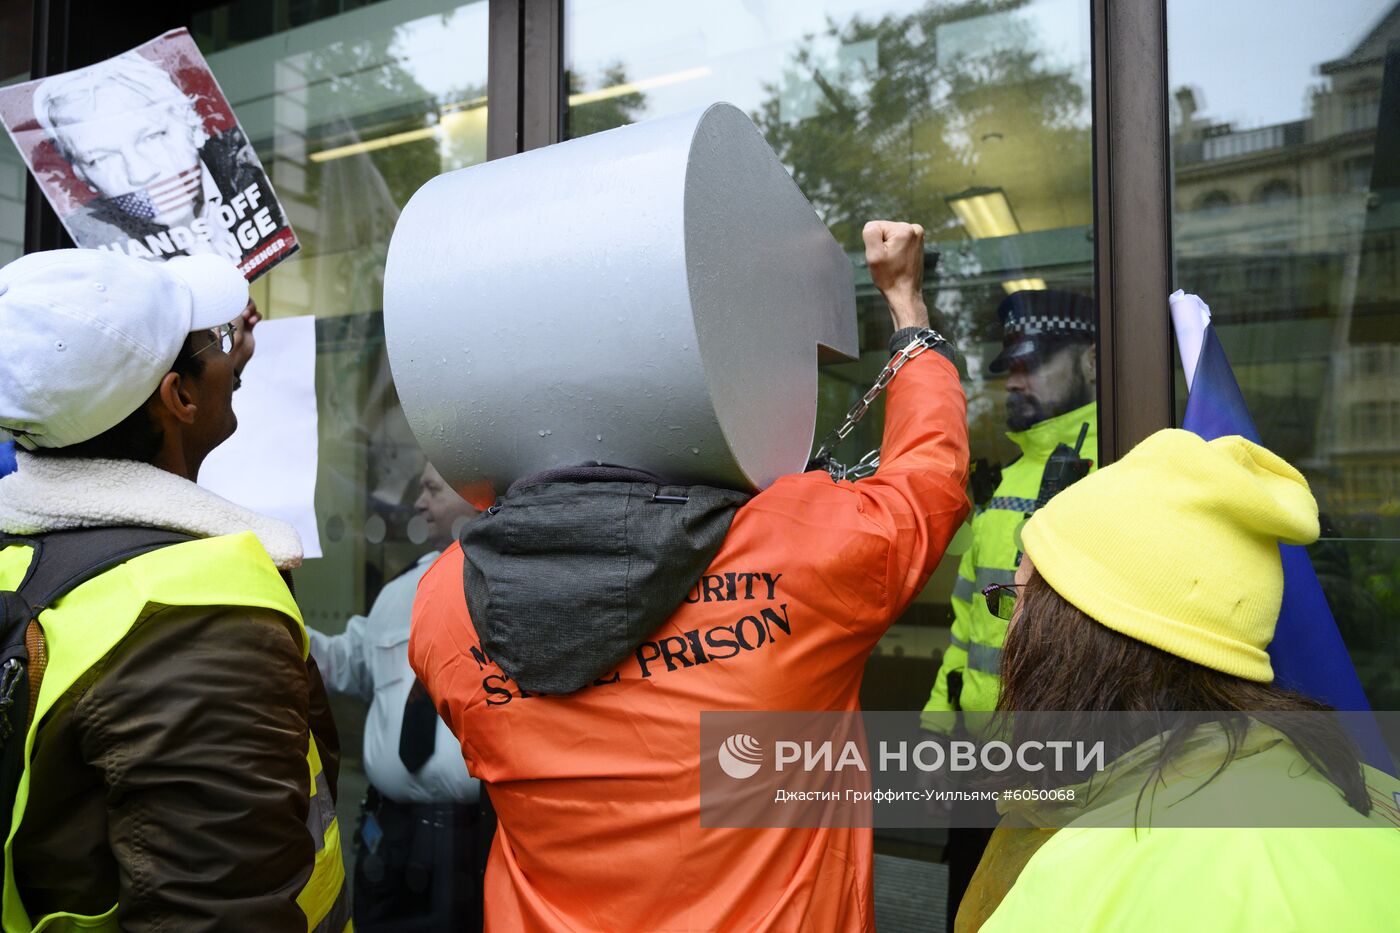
(142,154)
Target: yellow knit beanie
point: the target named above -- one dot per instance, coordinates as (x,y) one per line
(1176,545)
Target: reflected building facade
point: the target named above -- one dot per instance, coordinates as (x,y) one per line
(1290,230)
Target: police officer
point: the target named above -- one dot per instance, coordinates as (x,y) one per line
(1048,356)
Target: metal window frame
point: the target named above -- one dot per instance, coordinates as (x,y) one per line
(542,84)
(525,76)
(504,61)
(49,55)
(1132,222)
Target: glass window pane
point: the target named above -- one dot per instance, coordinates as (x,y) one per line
(971,119)
(351,107)
(976,126)
(1286,212)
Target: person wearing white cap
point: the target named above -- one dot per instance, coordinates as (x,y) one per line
(178,760)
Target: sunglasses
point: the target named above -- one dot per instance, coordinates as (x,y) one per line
(1001,599)
(223,339)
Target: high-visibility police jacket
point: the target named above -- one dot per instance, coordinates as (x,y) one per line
(1267,844)
(81,631)
(978,635)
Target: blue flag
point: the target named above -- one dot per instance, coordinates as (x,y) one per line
(7,457)
(1307,651)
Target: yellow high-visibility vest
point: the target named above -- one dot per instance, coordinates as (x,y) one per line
(977,636)
(1116,867)
(81,628)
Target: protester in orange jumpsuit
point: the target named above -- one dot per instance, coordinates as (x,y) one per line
(598,791)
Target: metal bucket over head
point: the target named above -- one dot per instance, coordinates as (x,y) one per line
(655,296)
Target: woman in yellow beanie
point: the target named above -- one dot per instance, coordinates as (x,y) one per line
(1153,586)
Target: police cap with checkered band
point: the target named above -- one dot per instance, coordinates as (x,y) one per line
(1036,322)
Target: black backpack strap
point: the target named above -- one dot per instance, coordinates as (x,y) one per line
(65,560)
(61,561)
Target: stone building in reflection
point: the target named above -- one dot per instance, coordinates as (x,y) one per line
(1292,233)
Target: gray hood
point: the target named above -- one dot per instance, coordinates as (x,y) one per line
(573,569)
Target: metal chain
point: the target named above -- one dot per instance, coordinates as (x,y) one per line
(867,465)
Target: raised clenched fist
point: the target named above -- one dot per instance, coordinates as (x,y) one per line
(894,252)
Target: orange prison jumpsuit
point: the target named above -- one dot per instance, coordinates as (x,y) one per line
(598,792)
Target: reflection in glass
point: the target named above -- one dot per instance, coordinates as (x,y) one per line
(1287,221)
(14,178)
(351,112)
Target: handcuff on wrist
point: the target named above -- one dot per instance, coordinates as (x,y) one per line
(924,340)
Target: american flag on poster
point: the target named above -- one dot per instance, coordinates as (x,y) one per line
(164,197)
(141,154)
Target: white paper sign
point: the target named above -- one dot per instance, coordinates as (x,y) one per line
(269,465)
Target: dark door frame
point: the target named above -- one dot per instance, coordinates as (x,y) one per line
(49,55)
(1132,222)
(525,99)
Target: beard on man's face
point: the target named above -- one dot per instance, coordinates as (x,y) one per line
(1024,410)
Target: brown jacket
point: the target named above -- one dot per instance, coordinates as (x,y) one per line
(172,778)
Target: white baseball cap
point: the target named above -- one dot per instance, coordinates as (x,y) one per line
(86,335)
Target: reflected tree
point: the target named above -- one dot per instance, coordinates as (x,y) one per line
(361,91)
(887,117)
(365,85)
(603,112)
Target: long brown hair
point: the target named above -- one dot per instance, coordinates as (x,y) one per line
(1057,658)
